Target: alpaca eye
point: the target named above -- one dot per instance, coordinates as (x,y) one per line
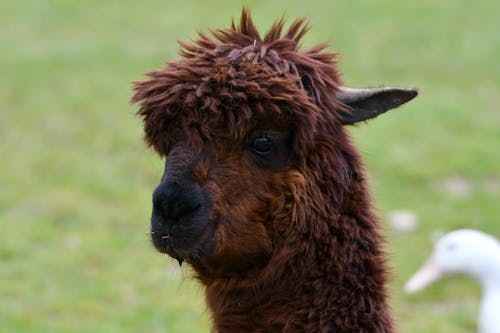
(269,147)
(262,145)
(262,141)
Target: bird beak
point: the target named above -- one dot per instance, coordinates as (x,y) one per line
(425,276)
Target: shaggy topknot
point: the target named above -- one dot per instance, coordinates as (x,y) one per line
(236,75)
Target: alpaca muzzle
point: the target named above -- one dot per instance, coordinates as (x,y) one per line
(179,220)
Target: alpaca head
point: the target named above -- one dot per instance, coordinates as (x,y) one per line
(252,130)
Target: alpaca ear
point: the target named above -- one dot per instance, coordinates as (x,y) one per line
(368,103)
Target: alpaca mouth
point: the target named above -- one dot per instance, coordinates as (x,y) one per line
(187,241)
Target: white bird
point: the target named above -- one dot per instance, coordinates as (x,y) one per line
(471,253)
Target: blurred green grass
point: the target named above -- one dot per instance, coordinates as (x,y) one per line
(76,180)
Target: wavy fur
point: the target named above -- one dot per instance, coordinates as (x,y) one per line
(297,249)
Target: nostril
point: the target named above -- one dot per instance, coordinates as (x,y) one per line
(183,208)
(159,203)
(172,202)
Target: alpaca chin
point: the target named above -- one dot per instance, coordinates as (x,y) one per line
(185,245)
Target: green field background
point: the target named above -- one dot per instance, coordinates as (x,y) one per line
(76,179)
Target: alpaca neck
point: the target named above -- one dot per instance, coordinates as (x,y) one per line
(327,274)
(335,288)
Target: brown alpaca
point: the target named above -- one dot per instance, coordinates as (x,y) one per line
(263,193)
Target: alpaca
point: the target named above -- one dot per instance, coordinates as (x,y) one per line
(263,193)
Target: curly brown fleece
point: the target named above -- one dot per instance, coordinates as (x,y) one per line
(297,246)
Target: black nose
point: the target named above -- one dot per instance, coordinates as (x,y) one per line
(172,202)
